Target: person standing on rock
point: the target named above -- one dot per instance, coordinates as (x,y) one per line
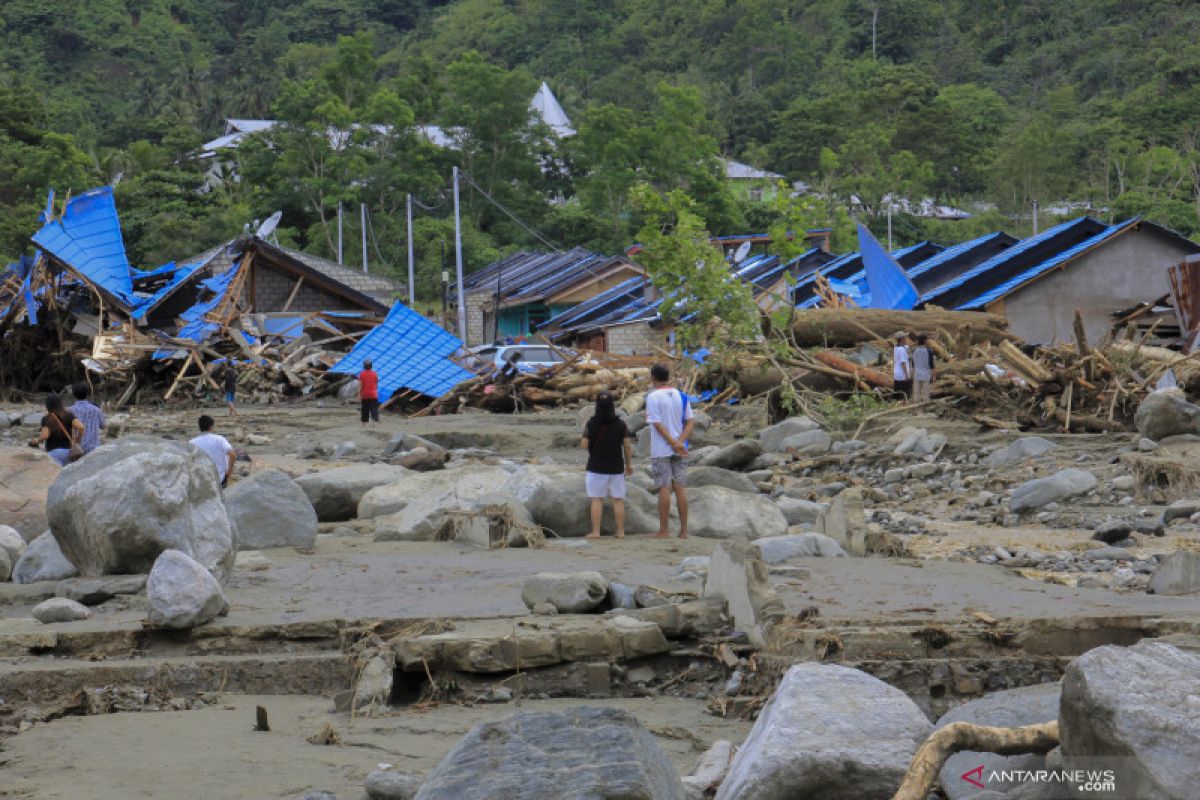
(216,447)
(368,393)
(61,432)
(669,415)
(922,369)
(610,460)
(901,369)
(89,415)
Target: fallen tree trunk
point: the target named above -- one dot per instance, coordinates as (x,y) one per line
(846,327)
(957,736)
(867,376)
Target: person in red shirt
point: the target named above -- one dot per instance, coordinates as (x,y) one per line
(368,393)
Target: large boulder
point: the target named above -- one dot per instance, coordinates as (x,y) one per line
(181,593)
(772,438)
(42,560)
(11,542)
(270,510)
(569,592)
(798,511)
(415,508)
(593,753)
(25,477)
(1012,708)
(1040,492)
(116,510)
(807,443)
(1024,448)
(6,565)
(557,500)
(777,549)
(1177,573)
(734,456)
(335,493)
(738,576)
(829,732)
(391,784)
(715,512)
(718,476)
(1164,414)
(1136,709)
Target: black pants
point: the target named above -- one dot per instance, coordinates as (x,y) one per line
(903,389)
(370,410)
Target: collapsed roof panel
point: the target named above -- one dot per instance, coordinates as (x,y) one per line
(409,352)
(87,239)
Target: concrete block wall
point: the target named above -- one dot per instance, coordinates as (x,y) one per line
(475,319)
(635,339)
(272,287)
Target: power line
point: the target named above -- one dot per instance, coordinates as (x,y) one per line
(375,241)
(511,215)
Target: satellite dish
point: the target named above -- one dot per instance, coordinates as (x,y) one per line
(742,252)
(268,227)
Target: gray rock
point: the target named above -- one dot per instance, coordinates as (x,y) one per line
(738,576)
(772,438)
(800,512)
(116,510)
(845,522)
(1107,554)
(621,596)
(734,456)
(335,493)
(719,513)
(349,391)
(1180,509)
(569,592)
(419,459)
(1124,483)
(1177,573)
(1012,708)
(6,565)
(401,442)
(582,752)
(373,686)
(42,560)
(181,593)
(1137,706)
(777,549)
(1163,414)
(711,769)
(33,419)
(392,784)
(544,610)
(848,446)
(807,443)
(829,732)
(60,609)
(1042,491)
(345,450)
(270,510)
(1150,527)
(94,591)
(11,543)
(918,443)
(1024,448)
(717,476)
(555,499)
(1112,531)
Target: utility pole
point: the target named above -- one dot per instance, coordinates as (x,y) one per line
(889,216)
(1035,219)
(458,264)
(362,211)
(412,281)
(339,233)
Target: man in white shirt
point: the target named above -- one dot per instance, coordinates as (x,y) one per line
(217,448)
(669,416)
(901,369)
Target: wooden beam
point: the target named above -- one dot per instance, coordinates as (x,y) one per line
(295,291)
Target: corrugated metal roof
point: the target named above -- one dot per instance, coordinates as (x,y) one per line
(1018,250)
(996,292)
(850,268)
(374,285)
(87,238)
(736,170)
(545,105)
(409,352)
(527,277)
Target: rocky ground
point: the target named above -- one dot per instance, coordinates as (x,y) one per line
(921,538)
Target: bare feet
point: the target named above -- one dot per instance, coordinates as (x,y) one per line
(683,534)
(592,536)
(619,536)
(662,535)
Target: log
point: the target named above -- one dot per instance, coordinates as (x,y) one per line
(847,327)
(868,376)
(958,736)
(1029,369)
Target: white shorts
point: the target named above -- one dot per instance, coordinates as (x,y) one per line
(605,485)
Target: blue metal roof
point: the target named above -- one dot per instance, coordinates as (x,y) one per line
(1001,258)
(952,252)
(87,238)
(996,292)
(409,352)
(832,269)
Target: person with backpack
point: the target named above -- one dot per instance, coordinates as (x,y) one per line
(61,432)
(610,460)
(669,415)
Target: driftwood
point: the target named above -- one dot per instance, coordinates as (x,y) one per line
(958,736)
(841,327)
(867,376)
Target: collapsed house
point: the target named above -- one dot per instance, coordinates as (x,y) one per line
(80,310)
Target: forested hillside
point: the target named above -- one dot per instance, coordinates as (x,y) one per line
(1003,101)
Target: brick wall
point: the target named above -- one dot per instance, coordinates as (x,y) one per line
(635,339)
(475,319)
(272,287)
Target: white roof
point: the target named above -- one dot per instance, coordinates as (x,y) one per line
(546,106)
(248,125)
(736,170)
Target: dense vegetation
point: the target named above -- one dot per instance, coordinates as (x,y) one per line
(995,101)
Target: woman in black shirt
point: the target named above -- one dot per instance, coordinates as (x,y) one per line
(610,459)
(60,430)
